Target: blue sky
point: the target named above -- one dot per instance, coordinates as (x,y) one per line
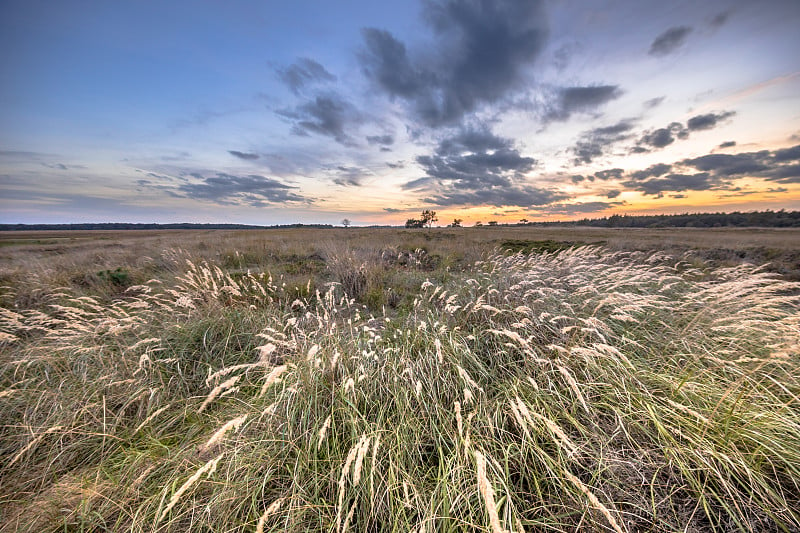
(311,111)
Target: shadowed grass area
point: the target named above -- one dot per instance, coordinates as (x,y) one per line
(580,389)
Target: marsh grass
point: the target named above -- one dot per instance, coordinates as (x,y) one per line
(582,389)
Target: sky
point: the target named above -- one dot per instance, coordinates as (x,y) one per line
(312,111)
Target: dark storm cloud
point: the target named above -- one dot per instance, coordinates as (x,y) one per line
(227,189)
(303,72)
(571,100)
(384,140)
(476,167)
(327,115)
(243,155)
(708,120)
(669,41)
(480,54)
(596,142)
(613,194)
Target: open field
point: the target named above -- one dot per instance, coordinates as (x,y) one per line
(475,379)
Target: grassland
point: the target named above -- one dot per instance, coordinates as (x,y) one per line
(476,379)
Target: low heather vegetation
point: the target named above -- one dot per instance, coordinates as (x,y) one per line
(572,389)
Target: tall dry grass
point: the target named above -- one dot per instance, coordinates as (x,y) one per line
(581,390)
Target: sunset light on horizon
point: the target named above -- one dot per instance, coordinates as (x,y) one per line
(312,112)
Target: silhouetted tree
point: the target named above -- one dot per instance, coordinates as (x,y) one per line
(429,217)
(456,223)
(346,222)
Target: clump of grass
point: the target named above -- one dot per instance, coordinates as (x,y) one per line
(580,389)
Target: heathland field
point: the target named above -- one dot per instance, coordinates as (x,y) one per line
(466,379)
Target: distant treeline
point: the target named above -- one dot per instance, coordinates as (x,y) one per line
(768,219)
(116,226)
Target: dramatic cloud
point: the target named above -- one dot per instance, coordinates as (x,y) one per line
(302,73)
(669,41)
(476,167)
(327,115)
(570,100)
(702,181)
(654,171)
(596,142)
(243,155)
(727,144)
(708,121)
(227,189)
(480,54)
(730,164)
(781,165)
(663,137)
(610,174)
(717,172)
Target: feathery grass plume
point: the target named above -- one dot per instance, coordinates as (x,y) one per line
(272,377)
(466,377)
(232,424)
(359,461)
(217,390)
(597,504)
(207,469)
(486,490)
(552,426)
(227,370)
(33,443)
(323,431)
(349,385)
(351,455)
(271,510)
(459,420)
(574,386)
